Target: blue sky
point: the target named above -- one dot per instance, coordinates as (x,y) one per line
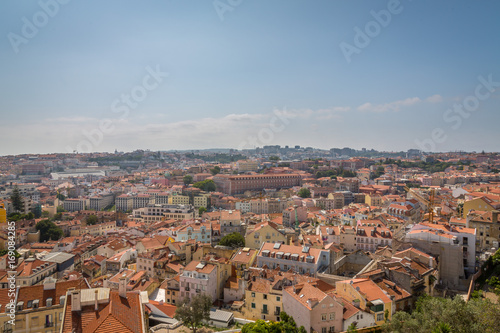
(231,71)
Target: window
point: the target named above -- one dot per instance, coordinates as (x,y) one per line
(323,329)
(332,316)
(278,298)
(380,317)
(253,294)
(253,305)
(265,296)
(323,316)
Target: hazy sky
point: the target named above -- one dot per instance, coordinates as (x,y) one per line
(92,75)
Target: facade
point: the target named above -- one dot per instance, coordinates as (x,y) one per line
(264,232)
(153,212)
(198,278)
(39,308)
(230,221)
(487,228)
(301,259)
(75,205)
(457,247)
(316,310)
(199,231)
(237,184)
(101,201)
(32,271)
(368,296)
(369,237)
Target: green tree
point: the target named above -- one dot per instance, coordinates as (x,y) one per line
(17,200)
(304,193)
(91,219)
(60,196)
(207,185)
(274,158)
(215,170)
(434,315)
(187,179)
(37,211)
(48,230)
(234,239)
(352,328)
(286,324)
(192,312)
(201,210)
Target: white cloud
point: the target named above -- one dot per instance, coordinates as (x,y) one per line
(434,99)
(392,106)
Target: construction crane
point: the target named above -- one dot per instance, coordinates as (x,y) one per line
(429,203)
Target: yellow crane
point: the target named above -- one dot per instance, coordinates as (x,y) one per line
(429,203)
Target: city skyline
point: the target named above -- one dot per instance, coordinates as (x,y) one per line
(387,75)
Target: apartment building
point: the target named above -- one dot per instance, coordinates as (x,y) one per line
(198,277)
(198,231)
(75,205)
(237,184)
(101,201)
(314,307)
(230,221)
(264,232)
(153,212)
(39,308)
(370,236)
(301,259)
(32,271)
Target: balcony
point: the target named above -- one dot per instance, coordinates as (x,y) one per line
(265,311)
(277,313)
(186,289)
(50,324)
(198,291)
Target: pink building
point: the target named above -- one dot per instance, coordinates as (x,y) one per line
(314,306)
(198,278)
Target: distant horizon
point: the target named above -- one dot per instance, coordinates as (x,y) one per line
(241,151)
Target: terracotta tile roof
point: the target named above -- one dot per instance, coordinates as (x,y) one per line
(207,269)
(26,267)
(32,293)
(167,309)
(243,256)
(306,294)
(118,315)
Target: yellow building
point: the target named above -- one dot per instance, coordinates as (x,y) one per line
(39,308)
(264,232)
(483,204)
(262,301)
(201,200)
(370,297)
(373,200)
(178,200)
(243,260)
(3,214)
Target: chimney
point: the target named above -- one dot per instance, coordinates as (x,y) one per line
(122,287)
(96,307)
(494,216)
(75,301)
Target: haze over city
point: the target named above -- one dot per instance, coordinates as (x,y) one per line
(203,75)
